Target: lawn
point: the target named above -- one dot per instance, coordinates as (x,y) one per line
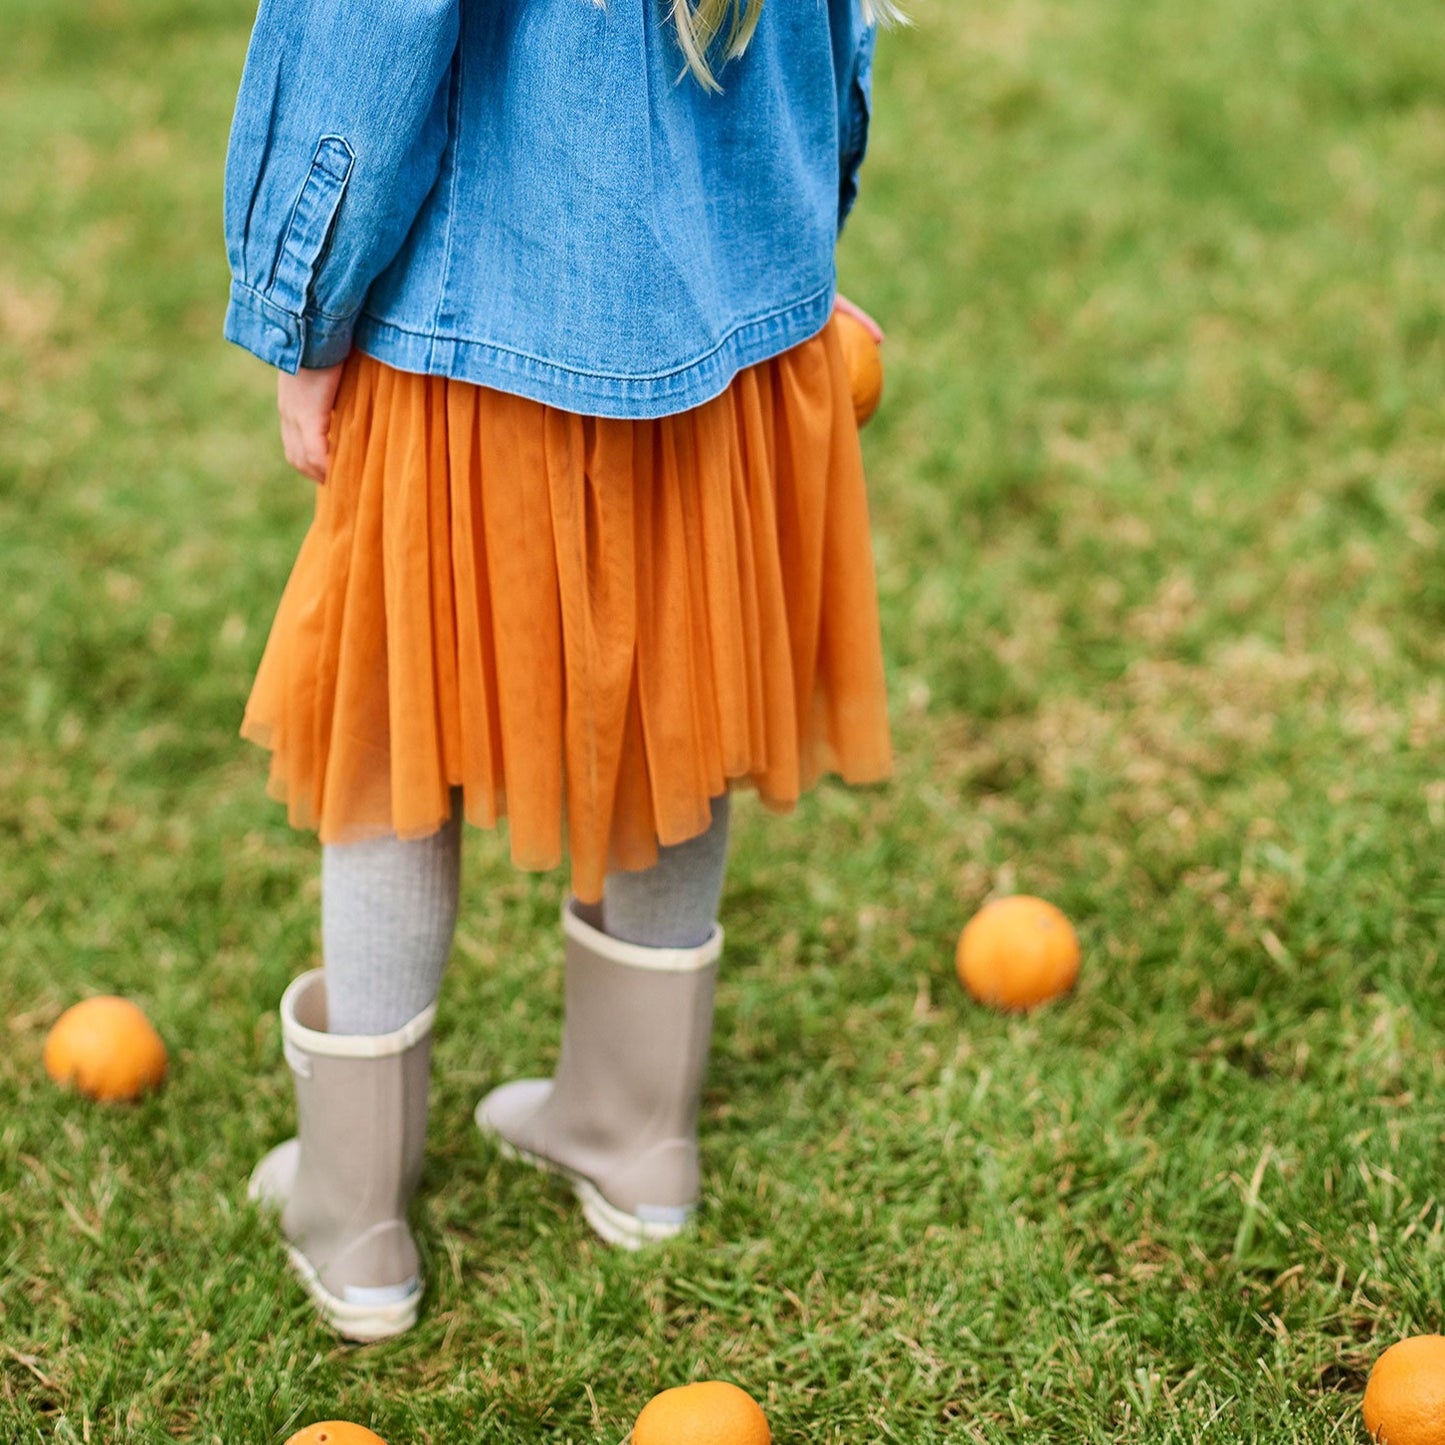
(1157,487)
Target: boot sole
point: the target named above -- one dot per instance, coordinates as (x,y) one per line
(363,1324)
(611,1224)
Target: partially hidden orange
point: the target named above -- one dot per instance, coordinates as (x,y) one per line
(710,1412)
(106,1048)
(335,1432)
(1016,953)
(1405,1396)
(862,350)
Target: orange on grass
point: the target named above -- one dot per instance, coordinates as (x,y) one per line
(1405,1396)
(106,1048)
(1018,952)
(862,350)
(335,1432)
(711,1412)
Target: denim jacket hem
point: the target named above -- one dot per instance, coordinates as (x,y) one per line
(591,393)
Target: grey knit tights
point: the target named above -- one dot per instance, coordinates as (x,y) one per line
(389,908)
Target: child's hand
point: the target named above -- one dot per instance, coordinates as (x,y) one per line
(304,402)
(860,338)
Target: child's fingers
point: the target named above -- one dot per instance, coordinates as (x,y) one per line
(853,309)
(304,401)
(305,448)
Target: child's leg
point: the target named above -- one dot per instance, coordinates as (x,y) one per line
(675,903)
(620,1117)
(359,1048)
(388,912)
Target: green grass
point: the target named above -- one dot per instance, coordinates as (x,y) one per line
(1159,511)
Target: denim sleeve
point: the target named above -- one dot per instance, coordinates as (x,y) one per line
(855,113)
(337,137)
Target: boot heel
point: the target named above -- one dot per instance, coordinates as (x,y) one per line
(652,1224)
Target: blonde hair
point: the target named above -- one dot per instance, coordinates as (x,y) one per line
(700,23)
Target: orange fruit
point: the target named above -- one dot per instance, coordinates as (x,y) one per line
(106,1048)
(1018,952)
(863,353)
(335,1432)
(711,1412)
(1405,1396)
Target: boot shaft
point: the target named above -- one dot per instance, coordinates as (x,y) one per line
(361,1104)
(637,1034)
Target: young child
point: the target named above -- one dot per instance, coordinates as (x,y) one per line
(549,287)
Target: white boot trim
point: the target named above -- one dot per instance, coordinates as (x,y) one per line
(369,1296)
(299,998)
(362,1321)
(634,955)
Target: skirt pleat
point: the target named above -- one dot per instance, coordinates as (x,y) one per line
(591,627)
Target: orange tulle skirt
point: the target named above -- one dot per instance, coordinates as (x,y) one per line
(590,626)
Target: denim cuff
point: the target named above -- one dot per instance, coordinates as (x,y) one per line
(281,338)
(326,340)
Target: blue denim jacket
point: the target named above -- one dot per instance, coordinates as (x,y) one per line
(531,194)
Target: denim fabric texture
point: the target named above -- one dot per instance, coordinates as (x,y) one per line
(534,195)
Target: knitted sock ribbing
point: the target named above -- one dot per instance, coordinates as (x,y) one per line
(388,912)
(673,904)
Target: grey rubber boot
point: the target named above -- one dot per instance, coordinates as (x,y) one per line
(343,1184)
(620,1117)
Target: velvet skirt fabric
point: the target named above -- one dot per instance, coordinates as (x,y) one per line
(589,626)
